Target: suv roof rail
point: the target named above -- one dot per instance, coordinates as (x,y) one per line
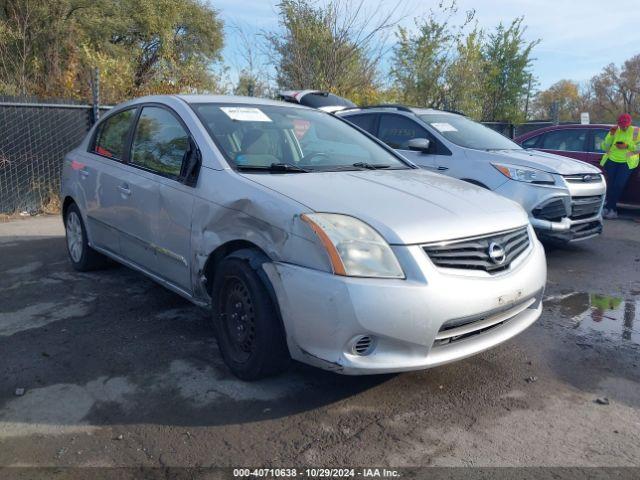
(397,106)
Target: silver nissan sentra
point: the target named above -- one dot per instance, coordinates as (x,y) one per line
(307,238)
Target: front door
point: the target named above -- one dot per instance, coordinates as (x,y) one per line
(396,131)
(159,148)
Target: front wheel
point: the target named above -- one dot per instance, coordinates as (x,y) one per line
(83,258)
(248,327)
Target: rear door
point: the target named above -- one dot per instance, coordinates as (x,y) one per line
(161,144)
(101,176)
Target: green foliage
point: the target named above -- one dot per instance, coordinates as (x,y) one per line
(141,46)
(507,63)
(486,76)
(326,47)
(421,60)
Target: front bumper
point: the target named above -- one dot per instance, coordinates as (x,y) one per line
(407,319)
(570,212)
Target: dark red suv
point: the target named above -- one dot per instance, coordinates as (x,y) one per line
(582,142)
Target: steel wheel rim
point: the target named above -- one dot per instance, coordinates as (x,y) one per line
(74,237)
(238,318)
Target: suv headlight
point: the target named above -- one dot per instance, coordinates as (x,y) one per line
(524,174)
(354,248)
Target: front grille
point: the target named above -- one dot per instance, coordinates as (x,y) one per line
(553,210)
(474,253)
(460,329)
(584,230)
(584,178)
(585,207)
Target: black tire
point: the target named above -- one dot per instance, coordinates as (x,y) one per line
(250,335)
(85,258)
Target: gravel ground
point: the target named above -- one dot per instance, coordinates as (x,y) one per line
(118,371)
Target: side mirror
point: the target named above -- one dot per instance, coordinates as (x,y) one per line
(191,165)
(419,145)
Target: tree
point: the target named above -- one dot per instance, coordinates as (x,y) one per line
(464,77)
(335,47)
(141,46)
(421,60)
(563,97)
(507,72)
(616,90)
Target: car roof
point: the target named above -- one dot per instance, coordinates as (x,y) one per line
(236,99)
(398,108)
(568,126)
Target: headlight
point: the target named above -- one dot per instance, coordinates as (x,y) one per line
(524,174)
(354,248)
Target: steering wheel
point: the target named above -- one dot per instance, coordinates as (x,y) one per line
(314,155)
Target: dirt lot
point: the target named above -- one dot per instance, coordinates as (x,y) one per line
(118,371)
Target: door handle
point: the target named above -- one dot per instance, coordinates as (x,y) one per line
(124,189)
(442,169)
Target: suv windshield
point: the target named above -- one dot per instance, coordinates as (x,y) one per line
(261,136)
(467,133)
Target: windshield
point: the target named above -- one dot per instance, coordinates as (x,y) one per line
(467,133)
(261,136)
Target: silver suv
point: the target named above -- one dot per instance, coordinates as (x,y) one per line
(563,196)
(306,238)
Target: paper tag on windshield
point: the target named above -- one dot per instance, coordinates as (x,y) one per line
(444,127)
(245,114)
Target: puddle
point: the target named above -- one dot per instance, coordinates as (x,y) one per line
(591,313)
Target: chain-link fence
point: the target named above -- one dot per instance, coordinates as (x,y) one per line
(34,137)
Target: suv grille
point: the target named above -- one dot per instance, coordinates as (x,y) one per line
(489,253)
(584,178)
(552,211)
(585,207)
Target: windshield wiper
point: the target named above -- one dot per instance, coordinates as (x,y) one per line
(370,166)
(274,167)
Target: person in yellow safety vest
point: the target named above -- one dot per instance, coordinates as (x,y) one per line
(621,146)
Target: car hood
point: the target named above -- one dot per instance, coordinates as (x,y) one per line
(547,162)
(404,206)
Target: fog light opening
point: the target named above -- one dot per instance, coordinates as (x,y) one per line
(363,345)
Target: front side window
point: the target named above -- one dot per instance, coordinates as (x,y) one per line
(467,133)
(598,139)
(531,142)
(570,140)
(160,143)
(397,130)
(259,136)
(366,122)
(113,133)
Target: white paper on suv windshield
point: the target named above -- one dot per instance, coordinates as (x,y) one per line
(245,114)
(444,127)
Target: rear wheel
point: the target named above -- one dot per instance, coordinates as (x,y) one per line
(248,327)
(83,258)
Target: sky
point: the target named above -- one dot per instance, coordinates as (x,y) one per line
(577,38)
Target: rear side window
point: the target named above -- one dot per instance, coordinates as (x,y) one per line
(396,131)
(113,133)
(365,122)
(570,140)
(160,142)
